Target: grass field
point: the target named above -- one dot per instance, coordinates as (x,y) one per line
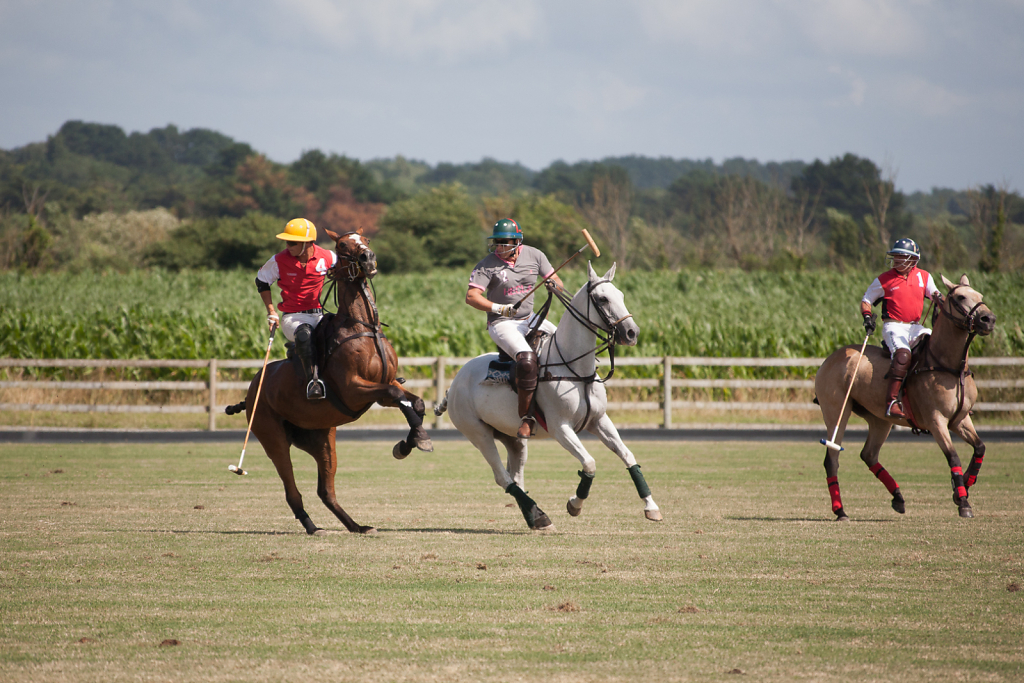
(126,563)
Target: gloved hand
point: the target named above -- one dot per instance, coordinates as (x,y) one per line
(272,320)
(503,310)
(551,285)
(869,323)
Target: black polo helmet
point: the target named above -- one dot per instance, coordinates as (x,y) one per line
(905,246)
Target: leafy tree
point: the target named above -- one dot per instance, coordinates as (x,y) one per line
(219,243)
(438,227)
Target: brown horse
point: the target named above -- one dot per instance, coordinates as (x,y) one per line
(359,371)
(939,388)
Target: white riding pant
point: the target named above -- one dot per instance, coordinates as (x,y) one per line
(902,335)
(510,334)
(291,321)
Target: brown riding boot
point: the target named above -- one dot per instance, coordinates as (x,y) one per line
(897,373)
(526,384)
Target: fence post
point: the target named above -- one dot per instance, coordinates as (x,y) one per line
(666,392)
(439,383)
(213,394)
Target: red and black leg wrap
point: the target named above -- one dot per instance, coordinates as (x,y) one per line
(833,492)
(957,477)
(972,471)
(884,477)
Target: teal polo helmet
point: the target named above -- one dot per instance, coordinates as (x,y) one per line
(505,230)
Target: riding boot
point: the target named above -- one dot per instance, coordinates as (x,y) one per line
(315,390)
(897,374)
(526,383)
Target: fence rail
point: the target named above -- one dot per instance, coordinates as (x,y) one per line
(440,382)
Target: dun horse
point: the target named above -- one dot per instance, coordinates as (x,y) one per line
(359,371)
(569,393)
(939,388)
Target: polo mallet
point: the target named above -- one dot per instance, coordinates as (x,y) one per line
(831,443)
(238,470)
(590,243)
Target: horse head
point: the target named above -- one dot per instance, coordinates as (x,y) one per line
(964,307)
(606,308)
(355,258)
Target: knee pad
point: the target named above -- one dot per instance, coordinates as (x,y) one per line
(303,334)
(526,370)
(900,363)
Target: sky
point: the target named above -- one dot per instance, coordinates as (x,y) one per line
(931,91)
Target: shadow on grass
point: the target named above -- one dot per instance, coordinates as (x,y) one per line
(225,533)
(807,519)
(484,532)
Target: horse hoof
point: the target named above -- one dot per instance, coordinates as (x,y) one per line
(653,515)
(844,518)
(401,450)
(573,512)
(541,522)
(899,505)
(367,531)
(425,445)
(965,510)
(320,532)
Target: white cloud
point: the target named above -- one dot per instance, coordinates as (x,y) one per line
(858,87)
(417,28)
(924,98)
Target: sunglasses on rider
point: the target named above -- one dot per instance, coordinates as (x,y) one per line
(292,244)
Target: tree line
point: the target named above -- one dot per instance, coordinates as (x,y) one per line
(93,196)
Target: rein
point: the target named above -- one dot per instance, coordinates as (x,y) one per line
(607,338)
(968,323)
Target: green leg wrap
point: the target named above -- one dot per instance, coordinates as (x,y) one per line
(642,489)
(583,490)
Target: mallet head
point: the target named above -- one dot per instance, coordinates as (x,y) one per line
(832,444)
(237,470)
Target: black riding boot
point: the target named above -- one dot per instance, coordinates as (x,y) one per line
(526,384)
(304,350)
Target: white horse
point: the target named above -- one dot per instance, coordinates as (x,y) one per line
(569,393)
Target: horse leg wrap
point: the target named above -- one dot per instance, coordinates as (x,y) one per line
(833,492)
(975,467)
(642,489)
(583,490)
(957,477)
(308,525)
(411,416)
(534,516)
(884,477)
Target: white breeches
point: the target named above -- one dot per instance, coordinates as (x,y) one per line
(291,321)
(510,335)
(902,335)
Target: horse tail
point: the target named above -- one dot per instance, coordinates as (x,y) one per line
(441,407)
(237,408)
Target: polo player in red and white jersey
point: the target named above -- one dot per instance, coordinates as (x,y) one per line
(902,291)
(299,271)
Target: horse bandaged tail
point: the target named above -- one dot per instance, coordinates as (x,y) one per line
(642,489)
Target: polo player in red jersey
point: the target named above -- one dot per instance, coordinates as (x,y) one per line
(495,285)
(299,271)
(902,291)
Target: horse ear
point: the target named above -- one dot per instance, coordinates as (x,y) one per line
(610,275)
(964,280)
(333,235)
(949,285)
(591,275)
(359,231)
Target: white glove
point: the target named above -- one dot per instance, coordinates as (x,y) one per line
(503,310)
(272,319)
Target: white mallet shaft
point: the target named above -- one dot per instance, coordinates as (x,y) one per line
(831,443)
(232,468)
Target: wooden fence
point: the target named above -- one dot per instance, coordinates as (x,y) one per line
(440,381)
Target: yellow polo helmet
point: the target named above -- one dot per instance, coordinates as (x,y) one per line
(298,230)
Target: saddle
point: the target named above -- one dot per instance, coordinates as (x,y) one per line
(503,370)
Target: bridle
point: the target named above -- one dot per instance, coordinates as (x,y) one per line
(969,321)
(606,334)
(352,268)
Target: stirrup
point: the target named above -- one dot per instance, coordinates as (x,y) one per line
(899,409)
(532,422)
(315,390)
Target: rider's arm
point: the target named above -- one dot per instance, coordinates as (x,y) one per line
(871,296)
(475,298)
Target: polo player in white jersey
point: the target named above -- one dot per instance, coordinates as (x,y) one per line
(299,270)
(496,284)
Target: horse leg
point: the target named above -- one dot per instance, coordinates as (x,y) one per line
(320,444)
(970,435)
(878,432)
(481,435)
(516,450)
(605,430)
(394,396)
(945,441)
(831,416)
(274,439)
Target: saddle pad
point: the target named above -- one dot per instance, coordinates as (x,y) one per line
(498,372)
